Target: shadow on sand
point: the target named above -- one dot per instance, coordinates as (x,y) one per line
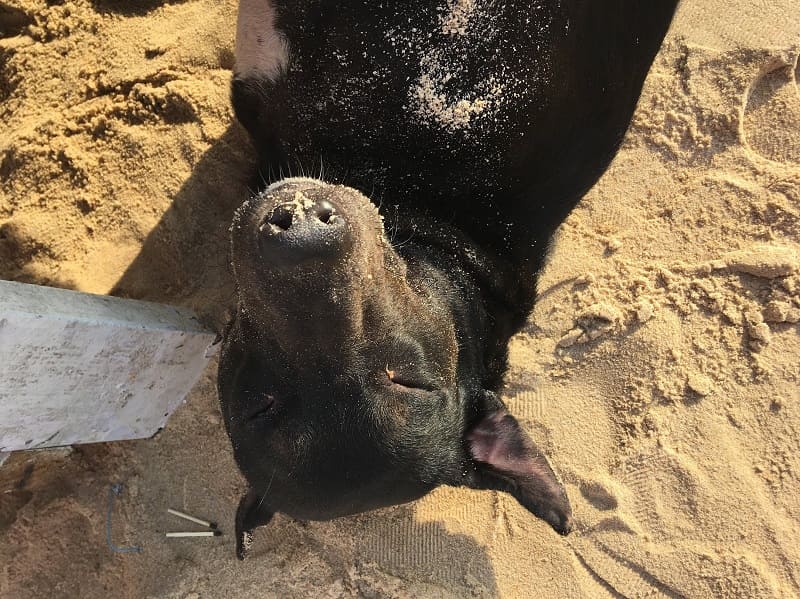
(184,259)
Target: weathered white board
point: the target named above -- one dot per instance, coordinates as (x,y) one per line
(80,368)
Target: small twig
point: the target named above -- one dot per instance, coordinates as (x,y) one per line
(192,518)
(204,533)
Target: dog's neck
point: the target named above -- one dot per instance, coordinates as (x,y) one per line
(484,293)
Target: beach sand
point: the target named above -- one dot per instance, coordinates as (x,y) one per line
(659,370)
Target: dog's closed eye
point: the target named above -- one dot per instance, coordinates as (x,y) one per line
(405,381)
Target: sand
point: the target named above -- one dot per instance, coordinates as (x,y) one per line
(659,369)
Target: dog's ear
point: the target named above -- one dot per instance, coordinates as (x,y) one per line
(504,458)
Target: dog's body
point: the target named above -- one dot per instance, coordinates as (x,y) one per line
(361,368)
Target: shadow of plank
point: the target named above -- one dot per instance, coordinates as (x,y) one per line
(184,259)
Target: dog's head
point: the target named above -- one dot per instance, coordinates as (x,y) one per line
(347,380)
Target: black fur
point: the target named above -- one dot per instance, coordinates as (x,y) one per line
(468,212)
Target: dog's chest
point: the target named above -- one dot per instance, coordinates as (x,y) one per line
(399,92)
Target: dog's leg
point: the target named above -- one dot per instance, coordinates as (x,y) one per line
(258,92)
(262,50)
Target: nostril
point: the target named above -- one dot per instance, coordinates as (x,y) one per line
(324,211)
(281,217)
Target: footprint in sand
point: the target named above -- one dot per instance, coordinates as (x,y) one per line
(772,112)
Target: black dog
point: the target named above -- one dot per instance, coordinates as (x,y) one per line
(362,366)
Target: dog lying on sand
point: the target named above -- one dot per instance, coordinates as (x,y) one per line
(448,139)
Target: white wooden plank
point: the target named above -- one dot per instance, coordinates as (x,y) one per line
(80,368)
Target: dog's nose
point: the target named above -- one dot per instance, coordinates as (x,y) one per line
(302,226)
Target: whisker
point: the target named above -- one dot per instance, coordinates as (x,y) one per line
(269,486)
(264,181)
(396,221)
(403,243)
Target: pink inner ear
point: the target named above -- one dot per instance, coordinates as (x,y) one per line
(497,441)
(483,442)
(508,460)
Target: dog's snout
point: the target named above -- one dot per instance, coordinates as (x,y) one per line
(302,226)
